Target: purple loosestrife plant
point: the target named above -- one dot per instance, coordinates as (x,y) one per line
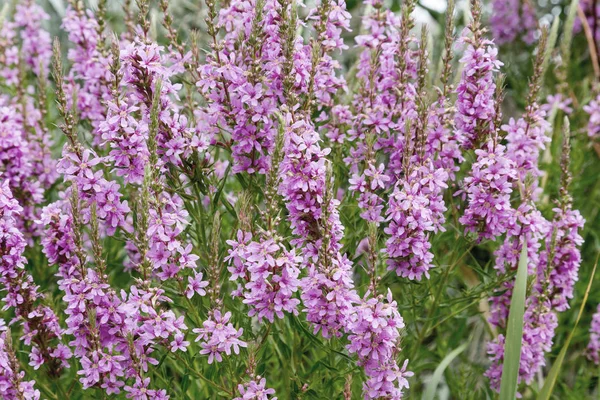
(328,291)
(25,143)
(262,198)
(41,329)
(555,268)
(373,109)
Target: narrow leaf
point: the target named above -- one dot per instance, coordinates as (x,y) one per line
(555,370)
(439,372)
(59,7)
(514,331)
(553,35)
(568,31)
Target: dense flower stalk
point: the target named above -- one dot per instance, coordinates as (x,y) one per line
(269,274)
(374,335)
(475,106)
(244,85)
(41,329)
(36,46)
(416,209)
(330,300)
(327,292)
(89,75)
(25,143)
(488,188)
(373,105)
(555,268)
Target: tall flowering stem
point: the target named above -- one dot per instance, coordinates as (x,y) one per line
(475,105)
(41,329)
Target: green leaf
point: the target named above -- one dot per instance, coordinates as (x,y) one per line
(514,331)
(58,6)
(555,370)
(439,372)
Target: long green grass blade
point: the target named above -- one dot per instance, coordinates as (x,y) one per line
(555,370)
(439,372)
(514,331)
(568,31)
(552,36)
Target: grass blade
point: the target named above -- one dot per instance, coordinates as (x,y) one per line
(568,32)
(550,44)
(514,331)
(555,370)
(439,372)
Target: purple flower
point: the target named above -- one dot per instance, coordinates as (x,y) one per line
(12,385)
(593,109)
(269,273)
(513,19)
(416,209)
(195,285)
(374,335)
(488,187)
(593,348)
(475,103)
(255,389)
(218,336)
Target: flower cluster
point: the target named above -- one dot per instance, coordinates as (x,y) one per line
(77,166)
(12,383)
(25,143)
(552,247)
(233,197)
(244,84)
(593,109)
(488,188)
(526,138)
(89,76)
(327,292)
(375,337)
(475,104)
(513,19)
(416,209)
(374,115)
(269,274)
(41,328)
(218,336)
(36,48)
(255,389)
(114,336)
